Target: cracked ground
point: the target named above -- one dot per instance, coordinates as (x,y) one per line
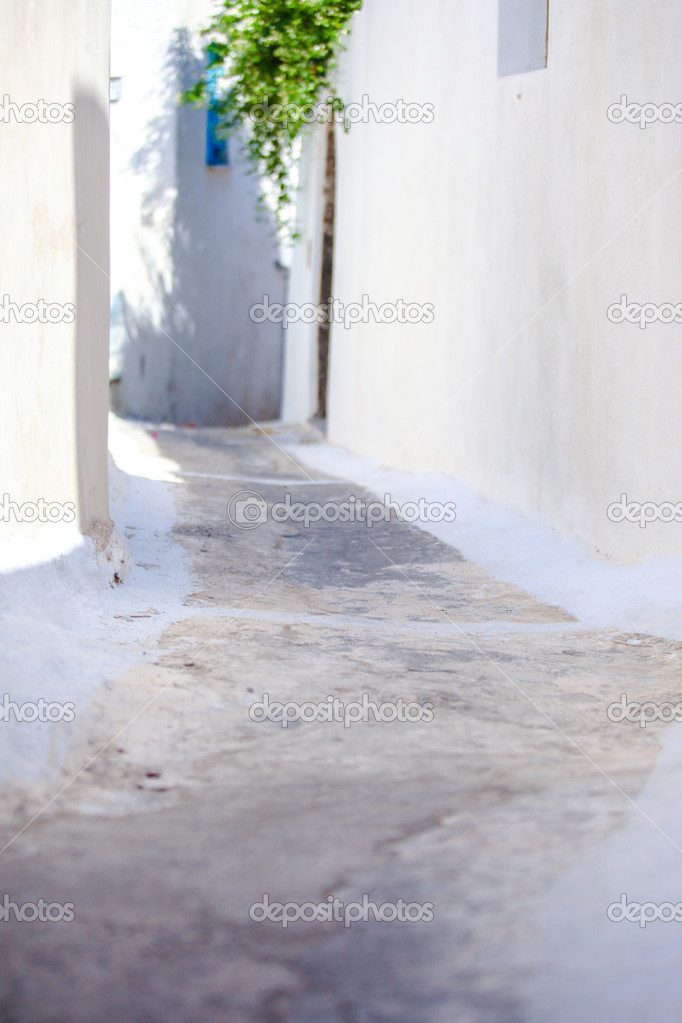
(170,832)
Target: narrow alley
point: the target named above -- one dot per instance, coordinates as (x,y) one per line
(476,809)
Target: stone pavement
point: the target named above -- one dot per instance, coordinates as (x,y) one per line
(195,811)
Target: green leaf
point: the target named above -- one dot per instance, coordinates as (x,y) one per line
(276,52)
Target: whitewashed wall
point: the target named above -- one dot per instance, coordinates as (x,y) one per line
(191,252)
(522,213)
(300,339)
(55,249)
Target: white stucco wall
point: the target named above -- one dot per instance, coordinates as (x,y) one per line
(522,213)
(299,401)
(191,252)
(55,248)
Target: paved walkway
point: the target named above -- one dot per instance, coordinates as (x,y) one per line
(195,811)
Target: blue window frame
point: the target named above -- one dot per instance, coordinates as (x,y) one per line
(216,146)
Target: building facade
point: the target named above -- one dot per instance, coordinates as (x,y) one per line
(535,196)
(192,249)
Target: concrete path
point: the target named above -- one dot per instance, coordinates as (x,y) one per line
(195,812)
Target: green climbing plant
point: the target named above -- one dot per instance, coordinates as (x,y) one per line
(276,60)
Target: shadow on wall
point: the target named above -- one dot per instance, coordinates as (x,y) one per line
(91,182)
(219,257)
